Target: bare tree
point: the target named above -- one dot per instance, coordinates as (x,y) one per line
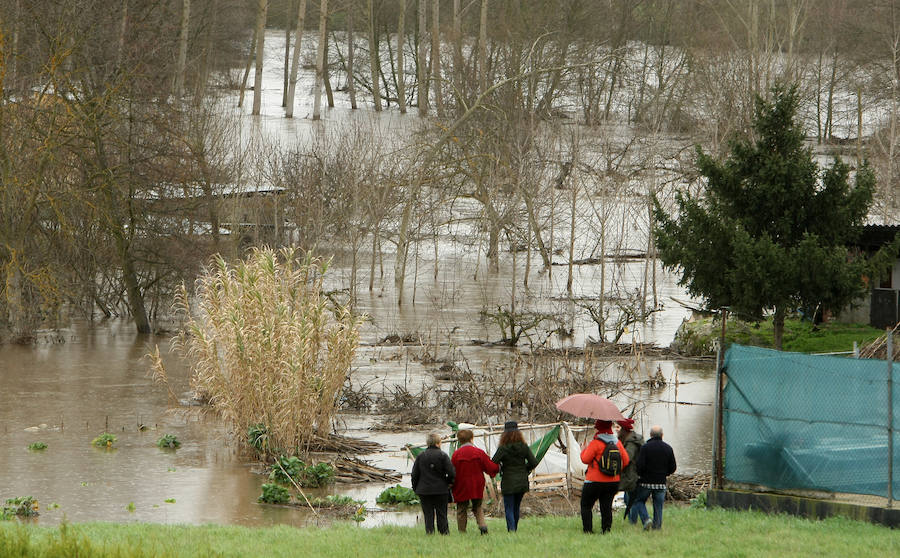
(262,7)
(320,60)
(374,62)
(295,58)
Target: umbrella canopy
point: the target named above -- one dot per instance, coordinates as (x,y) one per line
(589,405)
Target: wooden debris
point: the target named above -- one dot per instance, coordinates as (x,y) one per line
(353,470)
(335,443)
(687,486)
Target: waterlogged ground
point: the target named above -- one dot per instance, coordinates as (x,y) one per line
(81,381)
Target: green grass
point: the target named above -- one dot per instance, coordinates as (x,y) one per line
(802,337)
(699,337)
(686,532)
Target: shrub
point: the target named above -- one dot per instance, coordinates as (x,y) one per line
(24,506)
(318,475)
(169,441)
(105,440)
(398,495)
(291,469)
(258,437)
(37,446)
(274,494)
(268,346)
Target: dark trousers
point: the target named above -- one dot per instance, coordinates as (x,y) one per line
(511,505)
(435,505)
(604,492)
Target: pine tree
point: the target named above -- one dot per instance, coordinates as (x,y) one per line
(769,230)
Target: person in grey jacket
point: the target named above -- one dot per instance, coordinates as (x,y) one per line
(516,460)
(432,476)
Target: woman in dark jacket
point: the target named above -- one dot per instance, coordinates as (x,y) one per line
(432,477)
(516,460)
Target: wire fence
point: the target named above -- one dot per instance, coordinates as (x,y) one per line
(796,422)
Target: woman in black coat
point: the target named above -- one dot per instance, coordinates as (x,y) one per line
(432,477)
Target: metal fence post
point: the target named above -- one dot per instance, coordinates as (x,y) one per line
(890,418)
(718,474)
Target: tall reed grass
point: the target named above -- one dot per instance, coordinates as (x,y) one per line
(267,346)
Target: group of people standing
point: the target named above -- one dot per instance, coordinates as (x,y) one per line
(641,473)
(436,478)
(638,469)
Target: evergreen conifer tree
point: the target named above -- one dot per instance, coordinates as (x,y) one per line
(769,229)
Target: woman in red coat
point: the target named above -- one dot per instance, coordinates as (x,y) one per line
(470,463)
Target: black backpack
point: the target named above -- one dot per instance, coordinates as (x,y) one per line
(610,461)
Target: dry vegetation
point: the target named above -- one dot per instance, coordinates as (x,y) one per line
(523,385)
(267,347)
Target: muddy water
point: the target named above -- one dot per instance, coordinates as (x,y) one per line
(86,380)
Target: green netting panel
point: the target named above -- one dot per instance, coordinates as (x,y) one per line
(540,446)
(796,421)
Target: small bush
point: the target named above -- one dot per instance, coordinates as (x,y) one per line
(291,469)
(397,495)
(274,494)
(258,437)
(105,441)
(24,506)
(699,501)
(37,446)
(318,475)
(169,441)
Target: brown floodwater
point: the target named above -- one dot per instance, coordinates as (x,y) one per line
(82,381)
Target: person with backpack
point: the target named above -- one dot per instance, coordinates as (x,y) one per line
(655,462)
(629,478)
(605,457)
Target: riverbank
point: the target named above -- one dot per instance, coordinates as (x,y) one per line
(686,532)
(700,337)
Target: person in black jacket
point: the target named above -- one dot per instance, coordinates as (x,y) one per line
(655,462)
(432,477)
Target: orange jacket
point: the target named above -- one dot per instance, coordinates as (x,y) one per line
(592,453)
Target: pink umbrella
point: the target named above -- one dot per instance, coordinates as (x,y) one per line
(588,405)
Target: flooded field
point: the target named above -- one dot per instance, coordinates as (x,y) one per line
(88,379)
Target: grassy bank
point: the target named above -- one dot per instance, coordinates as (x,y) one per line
(686,532)
(700,337)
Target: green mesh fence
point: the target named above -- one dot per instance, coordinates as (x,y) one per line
(796,421)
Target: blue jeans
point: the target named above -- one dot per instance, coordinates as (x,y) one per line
(511,504)
(639,507)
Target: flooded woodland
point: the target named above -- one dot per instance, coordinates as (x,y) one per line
(495,241)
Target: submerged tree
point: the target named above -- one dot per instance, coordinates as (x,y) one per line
(769,229)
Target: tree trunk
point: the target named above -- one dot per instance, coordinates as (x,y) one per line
(320,61)
(132,287)
(374,62)
(778,326)
(351,55)
(572,208)
(208,46)
(262,7)
(182,50)
(482,47)
(436,57)
(287,54)
(421,63)
(123,29)
(295,59)
(247,68)
(329,94)
(401,71)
